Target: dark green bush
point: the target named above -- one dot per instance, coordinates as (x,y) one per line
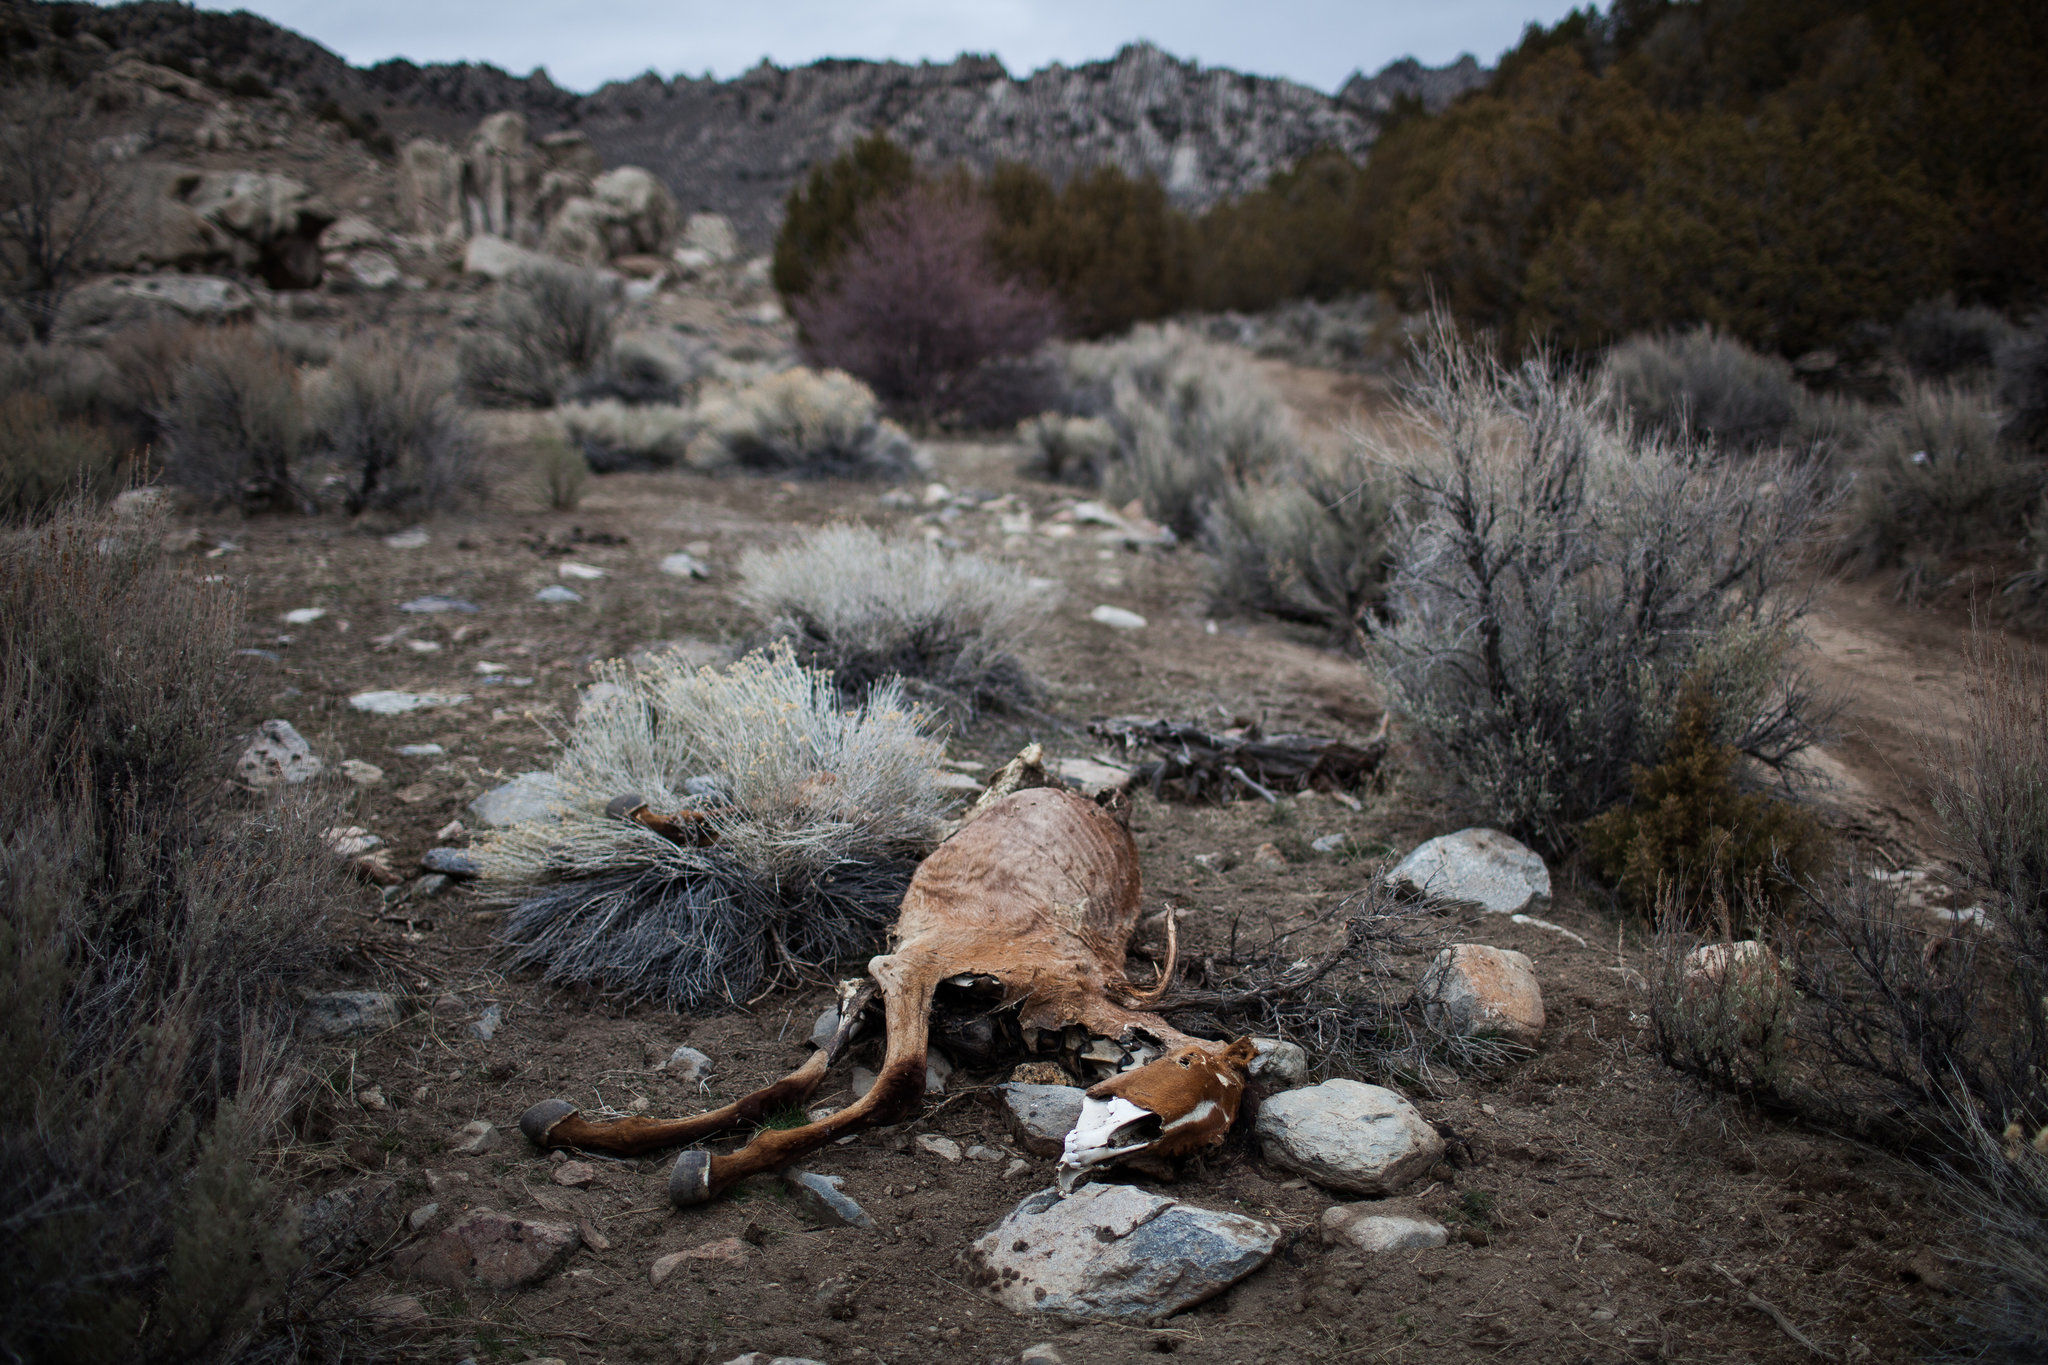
(1111,248)
(819,219)
(152,931)
(1939,340)
(1692,836)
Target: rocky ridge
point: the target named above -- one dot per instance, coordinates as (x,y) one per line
(737,146)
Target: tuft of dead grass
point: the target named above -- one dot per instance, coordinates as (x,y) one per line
(813,816)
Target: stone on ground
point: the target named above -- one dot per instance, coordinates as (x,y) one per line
(1117,1252)
(724,1251)
(556,594)
(1746,961)
(449,862)
(363,774)
(527,797)
(475,1138)
(347,1014)
(942,1147)
(1278,1062)
(1481,867)
(394,703)
(820,1197)
(1041,1116)
(1370,1227)
(277,757)
(491,1250)
(1116,618)
(1472,990)
(684,565)
(574,1174)
(1347,1135)
(687,1065)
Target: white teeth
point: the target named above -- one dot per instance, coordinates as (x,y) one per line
(1107,1129)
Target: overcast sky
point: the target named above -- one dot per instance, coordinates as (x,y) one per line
(1317,42)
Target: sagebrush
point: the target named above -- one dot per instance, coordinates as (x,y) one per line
(1194,422)
(868,609)
(613,436)
(815,814)
(153,929)
(47,458)
(1315,547)
(1560,577)
(390,415)
(234,423)
(548,326)
(1935,480)
(807,423)
(1705,385)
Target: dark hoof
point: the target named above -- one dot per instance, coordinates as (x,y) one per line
(689,1184)
(540,1120)
(622,807)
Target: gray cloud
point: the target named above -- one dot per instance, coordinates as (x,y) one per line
(1316,42)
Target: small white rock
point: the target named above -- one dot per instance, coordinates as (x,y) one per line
(1116,618)
(685,565)
(304,616)
(412,538)
(475,1138)
(421,1216)
(556,593)
(361,773)
(1366,1227)
(687,1065)
(938,1146)
(569,568)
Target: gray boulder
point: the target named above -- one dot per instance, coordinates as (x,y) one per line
(449,862)
(1279,1063)
(1116,1252)
(1481,867)
(527,797)
(1041,1116)
(1347,1135)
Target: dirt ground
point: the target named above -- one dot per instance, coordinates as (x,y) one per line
(1603,1205)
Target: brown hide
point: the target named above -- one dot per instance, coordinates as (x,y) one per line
(1039,891)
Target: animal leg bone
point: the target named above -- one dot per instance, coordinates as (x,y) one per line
(558,1123)
(907,990)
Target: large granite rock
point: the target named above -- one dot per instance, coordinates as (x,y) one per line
(1472,990)
(1116,1252)
(1481,867)
(1347,1135)
(130,300)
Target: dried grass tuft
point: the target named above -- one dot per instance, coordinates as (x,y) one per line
(817,815)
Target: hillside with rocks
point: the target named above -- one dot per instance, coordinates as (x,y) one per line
(737,146)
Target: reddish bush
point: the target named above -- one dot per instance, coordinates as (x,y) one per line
(916,307)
